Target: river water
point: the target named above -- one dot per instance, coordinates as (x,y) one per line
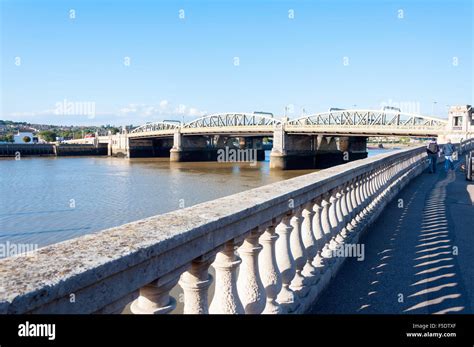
(48,200)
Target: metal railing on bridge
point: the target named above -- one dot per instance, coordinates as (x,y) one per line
(386,118)
(336,119)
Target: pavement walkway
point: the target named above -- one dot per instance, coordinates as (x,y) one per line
(419,254)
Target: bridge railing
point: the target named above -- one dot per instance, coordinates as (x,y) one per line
(273,248)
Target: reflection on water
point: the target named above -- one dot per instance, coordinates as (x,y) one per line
(47,200)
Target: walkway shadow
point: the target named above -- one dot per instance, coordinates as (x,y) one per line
(373,285)
(411,264)
(437,286)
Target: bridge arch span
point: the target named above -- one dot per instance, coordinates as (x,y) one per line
(155,126)
(366,117)
(232,119)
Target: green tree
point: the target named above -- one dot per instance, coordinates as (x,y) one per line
(6,138)
(48,135)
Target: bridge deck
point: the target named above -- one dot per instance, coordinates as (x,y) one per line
(409,251)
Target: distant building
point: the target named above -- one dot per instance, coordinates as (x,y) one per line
(22,136)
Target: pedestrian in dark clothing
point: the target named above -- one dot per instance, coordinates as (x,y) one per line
(448,151)
(432,149)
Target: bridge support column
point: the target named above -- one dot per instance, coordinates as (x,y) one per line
(278,155)
(119,145)
(176,150)
(296,151)
(357,147)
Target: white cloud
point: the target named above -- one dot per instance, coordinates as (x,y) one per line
(164,104)
(181,109)
(133,113)
(194,112)
(32,113)
(162,109)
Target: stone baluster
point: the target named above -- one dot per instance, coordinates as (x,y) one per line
(299,284)
(345,215)
(249,285)
(371,183)
(365,195)
(333,218)
(350,207)
(325,223)
(391,177)
(154,298)
(286,264)
(319,260)
(370,191)
(309,242)
(339,215)
(360,202)
(351,222)
(358,195)
(380,183)
(384,183)
(327,228)
(195,283)
(373,198)
(226,299)
(353,199)
(378,186)
(380,178)
(270,274)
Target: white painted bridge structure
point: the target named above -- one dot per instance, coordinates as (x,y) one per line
(340,122)
(305,142)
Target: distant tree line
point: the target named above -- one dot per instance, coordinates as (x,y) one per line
(52,132)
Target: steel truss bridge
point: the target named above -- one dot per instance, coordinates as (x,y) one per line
(355,122)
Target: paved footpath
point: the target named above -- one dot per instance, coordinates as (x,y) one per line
(419,257)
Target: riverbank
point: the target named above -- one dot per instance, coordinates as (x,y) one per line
(45,150)
(390,145)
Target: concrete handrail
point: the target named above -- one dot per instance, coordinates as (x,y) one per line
(146,258)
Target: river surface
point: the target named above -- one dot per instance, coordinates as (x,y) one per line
(48,200)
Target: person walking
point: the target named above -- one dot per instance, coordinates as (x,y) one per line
(432,149)
(448,151)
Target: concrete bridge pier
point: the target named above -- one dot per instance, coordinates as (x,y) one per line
(191,148)
(254,143)
(145,148)
(119,145)
(279,155)
(295,151)
(354,146)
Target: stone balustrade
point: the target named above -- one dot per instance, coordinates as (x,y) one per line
(272,248)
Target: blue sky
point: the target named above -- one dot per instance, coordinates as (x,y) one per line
(236,56)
